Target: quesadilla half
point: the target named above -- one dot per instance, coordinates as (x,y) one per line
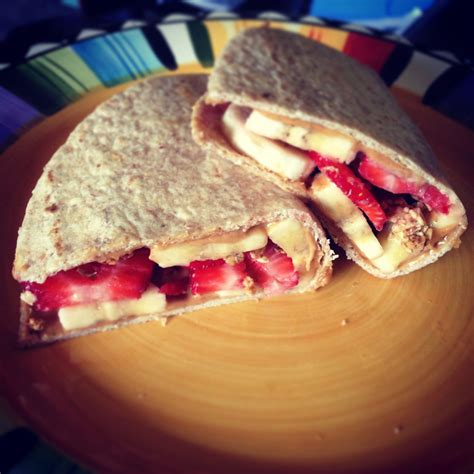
(131,221)
(327,129)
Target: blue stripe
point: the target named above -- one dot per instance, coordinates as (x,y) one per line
(129,45)
(110,40)
(119,57)
(142,50)
(128,55)
(108,67)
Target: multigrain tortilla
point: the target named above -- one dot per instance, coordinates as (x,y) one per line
(130,176)
(285,74)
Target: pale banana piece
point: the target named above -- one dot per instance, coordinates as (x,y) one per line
(394,252)
(295,240)
(345,214)
(278,157)
(438,220)
(325,142)
(84,315)
(211,248)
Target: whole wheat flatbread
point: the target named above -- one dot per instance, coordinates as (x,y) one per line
(130,176)
(288,75)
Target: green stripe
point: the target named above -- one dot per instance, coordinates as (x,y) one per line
(67,60)
(201,42)
(62,87)
(33,88)
(51,81)
(64,74)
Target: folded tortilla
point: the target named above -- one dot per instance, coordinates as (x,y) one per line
(130,177)
(274,98)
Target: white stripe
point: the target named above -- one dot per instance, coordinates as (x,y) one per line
(133,24)
(271,15)
(354,27)
(178,17)
(40,48)
(447,55)
(222,15)
(398,39)
(177,37)
(312,19)
(88,33)
(421,72)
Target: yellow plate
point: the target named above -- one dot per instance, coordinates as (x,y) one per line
(364,374)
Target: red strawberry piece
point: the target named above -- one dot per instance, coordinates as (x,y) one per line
(273,270)
(386,179)
(92,282)
(382,178)
(174,288)
(172,281)
(216,275)
(434,198)
(352,186)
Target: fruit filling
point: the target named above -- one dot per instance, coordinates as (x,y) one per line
(209,276)
(137,285)
(92,282)
(352,186)
(378,205)
(272,269)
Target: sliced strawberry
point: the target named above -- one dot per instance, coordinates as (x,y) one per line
(386,179)
(273,270)
(353,187)
(216,275)
(172,281)
(94,281)
(175,288)
(382,178)
(434,198)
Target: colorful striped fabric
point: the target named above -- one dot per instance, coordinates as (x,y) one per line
(129,57)
(52,80)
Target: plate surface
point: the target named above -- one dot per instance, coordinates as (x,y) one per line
(365,374)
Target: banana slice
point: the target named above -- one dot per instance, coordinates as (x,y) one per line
(278,157)
(346,215)
(324,141)
(403,238)
(394,252)
(84,315)
(295,240)
(443,223)
(211,248)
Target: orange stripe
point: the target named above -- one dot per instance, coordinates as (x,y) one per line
(329,36)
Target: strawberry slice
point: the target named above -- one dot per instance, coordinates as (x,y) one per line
(386,179)
(172,281)
(273,270)
(433,198)
(92,282)
(207,276)
(352,186)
